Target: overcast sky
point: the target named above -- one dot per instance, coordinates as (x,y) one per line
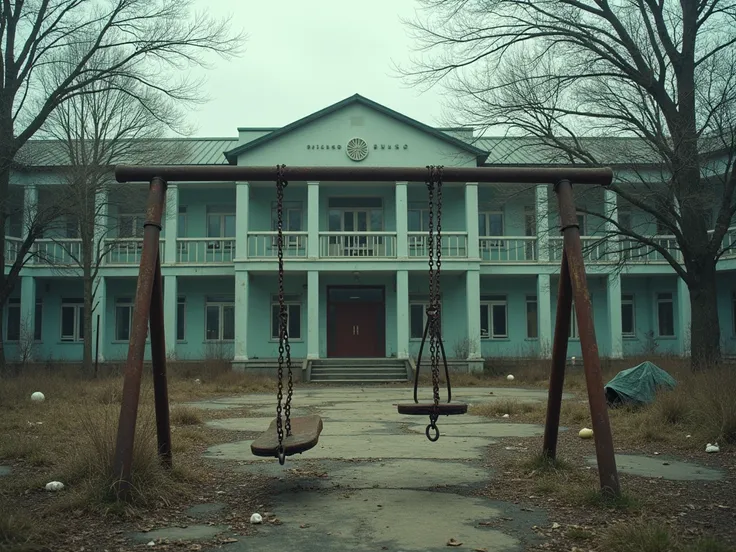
(302,56)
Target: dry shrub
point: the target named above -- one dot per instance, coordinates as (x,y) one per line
(511,407)
(186,415)
(672,407)
(89,470)
(713,406)
(639,537)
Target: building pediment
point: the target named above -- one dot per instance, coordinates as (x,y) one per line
(356,131)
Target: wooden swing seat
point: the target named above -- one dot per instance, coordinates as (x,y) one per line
(425,409)
(305,431)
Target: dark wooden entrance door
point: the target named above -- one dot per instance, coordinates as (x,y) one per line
(356,329)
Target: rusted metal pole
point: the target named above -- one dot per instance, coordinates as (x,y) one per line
(591,360)
(158,360)
(559,358)
(522,175)
(123,458)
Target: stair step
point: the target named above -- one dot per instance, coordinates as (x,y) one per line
(362,381)
(358,369)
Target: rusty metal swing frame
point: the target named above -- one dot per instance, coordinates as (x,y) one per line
(572,286)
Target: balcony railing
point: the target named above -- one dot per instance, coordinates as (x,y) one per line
(357,244)
(454,244)
(205,250)
(596,249)
(127,251)
(57,252)
(264,245)
(503,249)
(12,249)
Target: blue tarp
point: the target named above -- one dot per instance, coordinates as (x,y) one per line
(638,385)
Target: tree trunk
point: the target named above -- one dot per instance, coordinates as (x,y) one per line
(705,331)
(88,302)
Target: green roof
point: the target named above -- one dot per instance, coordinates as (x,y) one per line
(232,155)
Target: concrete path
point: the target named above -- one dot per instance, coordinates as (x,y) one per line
(374,481)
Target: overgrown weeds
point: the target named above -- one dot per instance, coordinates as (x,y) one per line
(512,407)
(186,415)
(646,536)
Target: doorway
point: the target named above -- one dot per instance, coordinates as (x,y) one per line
(356,322)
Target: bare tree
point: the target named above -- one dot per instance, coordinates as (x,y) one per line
(152,43)
(573,74)
(119,121)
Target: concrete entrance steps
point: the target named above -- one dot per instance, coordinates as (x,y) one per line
(358,370)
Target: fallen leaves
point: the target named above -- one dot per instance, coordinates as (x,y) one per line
(453,542)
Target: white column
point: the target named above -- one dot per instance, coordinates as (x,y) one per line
(312,314)
(102,223)
(402,224)
(544,313)
(611,211)
(313,220)
(471,218)
(242,292)
(541,201)
(472,290)
(402,314)
(614,317)
(27,308)
(242,219)
(30,208)
(99,308)
(170,311)
(684,316)
(172,228)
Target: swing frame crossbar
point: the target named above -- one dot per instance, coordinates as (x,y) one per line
(572,287)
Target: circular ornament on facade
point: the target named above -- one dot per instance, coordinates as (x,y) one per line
(357,149)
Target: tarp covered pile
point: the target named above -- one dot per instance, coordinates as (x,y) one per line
(638,385)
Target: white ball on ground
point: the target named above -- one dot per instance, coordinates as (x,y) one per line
(585,433)
(54,486)
(255,519)
(510,377)
(38,396)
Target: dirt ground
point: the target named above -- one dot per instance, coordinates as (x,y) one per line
(542,507)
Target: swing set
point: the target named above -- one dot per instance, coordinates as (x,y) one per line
(286,435)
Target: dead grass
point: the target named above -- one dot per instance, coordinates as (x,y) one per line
(512,407)
(185,416)
(644,536)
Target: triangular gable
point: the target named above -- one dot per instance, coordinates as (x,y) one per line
(324,137)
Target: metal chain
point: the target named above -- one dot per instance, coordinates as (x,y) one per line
(433,312)
(280,247)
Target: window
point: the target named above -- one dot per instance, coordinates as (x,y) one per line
(573,322)
(14,223)
(130,226)
(14,326)
(220,224)
(733,308)
(293,317)
(72,229)
(123,318)
(219,319)
(628,328)
(490,223)
(493,317)
(72,320)
(291,218)
(662,230)
(532,320)
(418,317)
(355,214)
(13,321)
(181,310)
(530,221)
(624,219)
(181,222)
(418,218)
(38,321)
(665,315)
(582,224)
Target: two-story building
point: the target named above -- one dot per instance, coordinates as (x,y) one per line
(355,254)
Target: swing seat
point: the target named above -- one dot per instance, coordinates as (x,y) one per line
(425,409)
(305,433)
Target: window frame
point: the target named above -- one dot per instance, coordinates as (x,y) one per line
(125,302)
(13,304)
(490,303)
(486,214)
(181,300)
(628,299)
(573,322)
(289,301)
(424,303)
(532,300)
(78,306)
(135,228)
(221,303)
(663,298)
